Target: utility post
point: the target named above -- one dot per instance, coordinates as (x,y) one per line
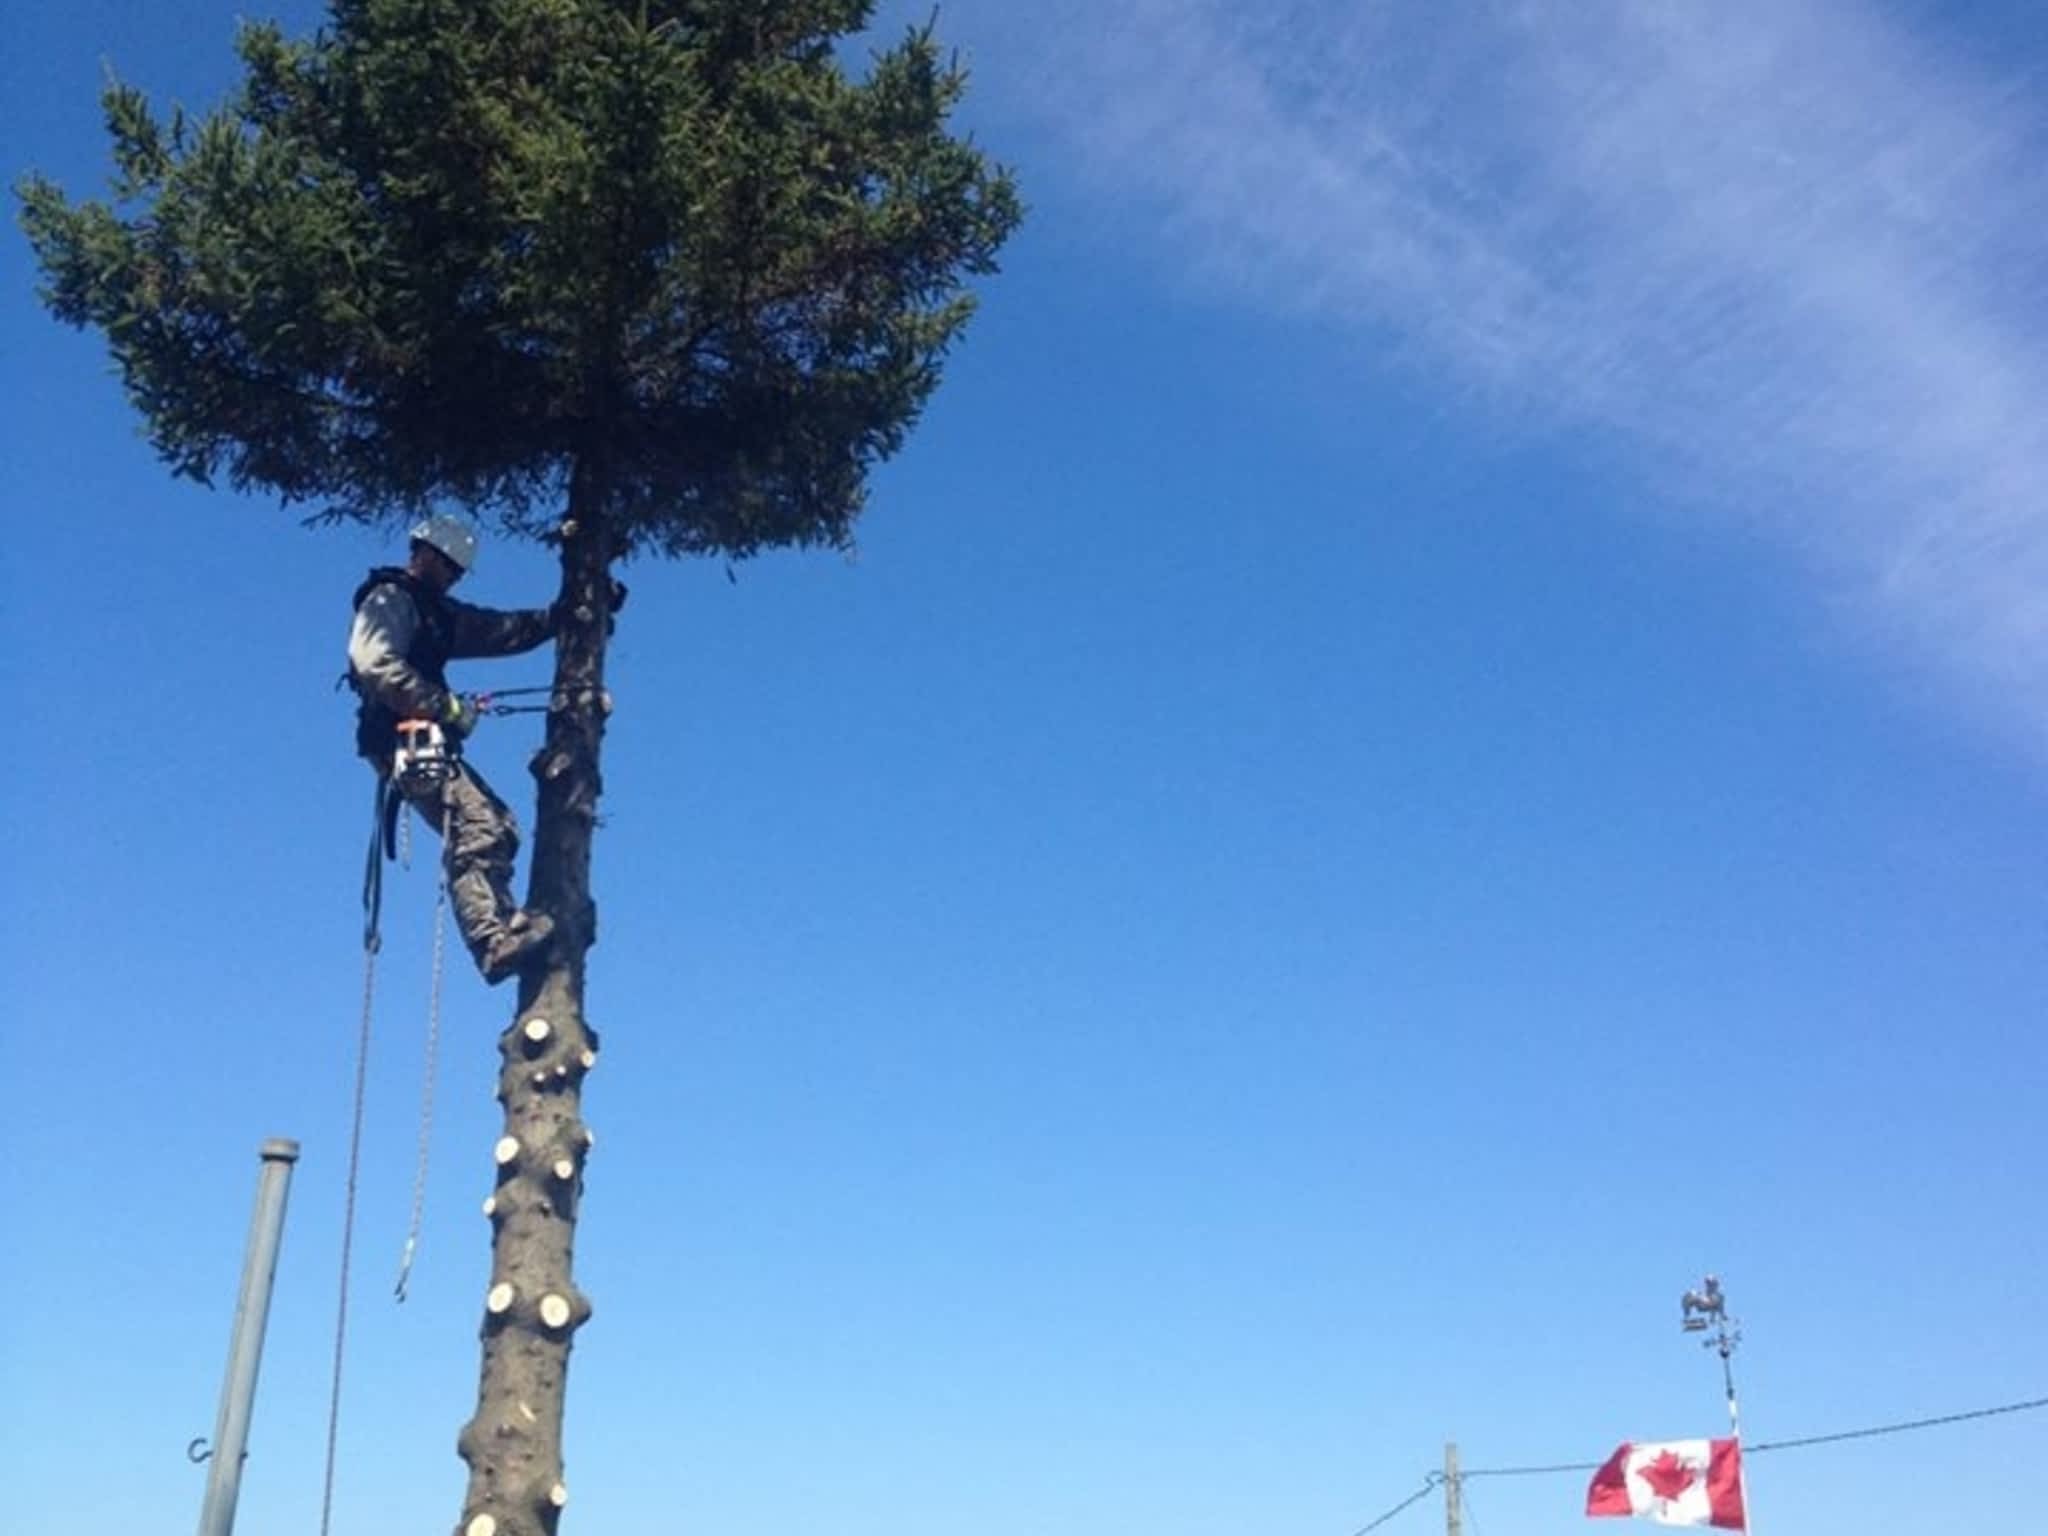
(1454,1492)
(245,1347)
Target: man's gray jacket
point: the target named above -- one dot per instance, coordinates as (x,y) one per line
(402,637)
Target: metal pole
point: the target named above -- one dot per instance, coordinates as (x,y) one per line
(1454,1492)
(1735,1426)
(1706,1311)
(245,1347)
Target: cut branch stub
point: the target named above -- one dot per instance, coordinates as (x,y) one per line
(482,1525)
(506,1150)
(536,1032)
(500,1300)
(559,1495)
(554,1311)
(565,1168)
(490,1205)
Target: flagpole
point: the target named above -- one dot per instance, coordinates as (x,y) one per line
(1706,1311)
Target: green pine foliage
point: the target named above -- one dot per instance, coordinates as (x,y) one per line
(669,252)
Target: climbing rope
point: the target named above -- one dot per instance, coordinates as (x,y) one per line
(388,817)
(348,1208)
(419,1175)
(391,836)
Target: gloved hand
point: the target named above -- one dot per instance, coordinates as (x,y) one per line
(459,716)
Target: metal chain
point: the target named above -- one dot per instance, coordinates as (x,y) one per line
(419,1176)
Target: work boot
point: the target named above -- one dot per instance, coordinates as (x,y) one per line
(524,940)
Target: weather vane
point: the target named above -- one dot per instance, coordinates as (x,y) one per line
(1706,1311)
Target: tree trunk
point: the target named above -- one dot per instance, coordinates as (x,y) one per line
(532,1311)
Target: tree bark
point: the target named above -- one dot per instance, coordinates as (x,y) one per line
(533,1310)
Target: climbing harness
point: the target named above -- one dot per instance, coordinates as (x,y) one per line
(425,759)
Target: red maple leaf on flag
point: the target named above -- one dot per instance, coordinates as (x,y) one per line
(1667,1476)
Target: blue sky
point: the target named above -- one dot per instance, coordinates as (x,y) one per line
(1441,729)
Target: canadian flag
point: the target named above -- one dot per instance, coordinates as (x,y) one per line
(1674,1482)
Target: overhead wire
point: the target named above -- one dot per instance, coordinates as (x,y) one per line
(1759,1447)
(1896,1429)
(1469,1509)
(1556,1466)
(1434,1480)
(1429,1486)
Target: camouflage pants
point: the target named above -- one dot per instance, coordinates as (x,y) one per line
(480,839)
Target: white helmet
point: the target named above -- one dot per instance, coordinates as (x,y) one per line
(451,535)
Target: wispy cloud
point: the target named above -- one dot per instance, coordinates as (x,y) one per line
(1791,256)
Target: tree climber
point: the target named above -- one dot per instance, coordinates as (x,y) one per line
(406,630)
